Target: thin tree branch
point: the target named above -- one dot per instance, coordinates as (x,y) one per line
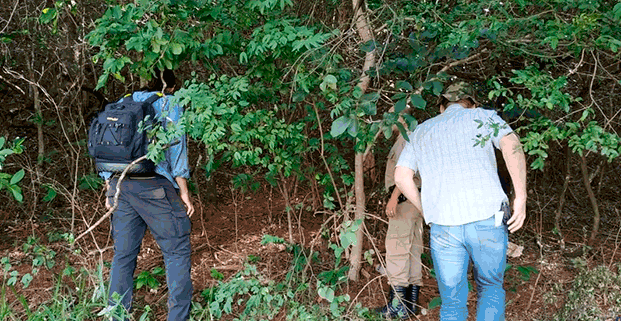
(115,202)
(10,17)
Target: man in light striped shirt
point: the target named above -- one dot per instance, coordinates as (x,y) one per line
(462,199)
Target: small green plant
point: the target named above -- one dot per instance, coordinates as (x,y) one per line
(261,299)
(267,239)
(11,181)
(148,279)
(249,295)
(72,295)
(217,275)
(253,258)
(51,193)
(90,182)
(526,272)
(589,290)
(41,255)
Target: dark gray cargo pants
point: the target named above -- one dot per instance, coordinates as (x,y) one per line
(152,203)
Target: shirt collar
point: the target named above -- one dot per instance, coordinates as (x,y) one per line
(454,107)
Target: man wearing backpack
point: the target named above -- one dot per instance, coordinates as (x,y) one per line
(463,201)
(158,200)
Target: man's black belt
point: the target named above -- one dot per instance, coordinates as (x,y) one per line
(138,176)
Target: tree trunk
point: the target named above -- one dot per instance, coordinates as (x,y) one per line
(561,203)
(356,251)
(589,189)
(38,117)
(364,31)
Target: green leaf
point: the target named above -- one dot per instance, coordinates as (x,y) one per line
(2,141)
(418,101)
(368,256)
(437,87)
(411,120)
(526,272)
(404,85)
(217,275)
(348,239)
(13,279)
(101,82)
(17,177)
(158,271)
(17,192)
(368,46)
(243,58)
(326,293)
(352,130)
(330,79)
(374,96)
(47,15)
(434,303)
(177,49)
(400,105)
(340,125)
(268,239)
(26,279)
(51,194)
(616,11)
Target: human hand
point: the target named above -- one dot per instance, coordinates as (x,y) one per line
(189,207)
(519,215)
(391,207)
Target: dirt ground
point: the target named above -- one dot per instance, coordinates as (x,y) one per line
(228,229)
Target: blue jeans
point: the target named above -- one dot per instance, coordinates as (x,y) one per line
(452,248)
(152,203)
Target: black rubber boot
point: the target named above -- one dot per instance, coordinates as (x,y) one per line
(411,298)
(398,310)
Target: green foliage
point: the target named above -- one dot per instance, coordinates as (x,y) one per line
(588,290)
(243,116)
(268,239)
(149,279)
(11,181)
(526,272)
(51,193)
(434,303)
(248,295)
(261,300)
(75,295)
(217,275)
(90,182)
(218,114)
(41,255)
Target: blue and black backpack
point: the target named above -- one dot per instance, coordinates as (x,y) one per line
(118,135)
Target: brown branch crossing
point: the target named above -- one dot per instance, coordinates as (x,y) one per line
(115,202)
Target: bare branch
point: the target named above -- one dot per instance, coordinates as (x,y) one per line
(115,202)
(8,22)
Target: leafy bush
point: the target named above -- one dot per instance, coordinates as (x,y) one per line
(590,289)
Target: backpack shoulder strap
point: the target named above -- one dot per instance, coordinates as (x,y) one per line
(128,97)
(154,98)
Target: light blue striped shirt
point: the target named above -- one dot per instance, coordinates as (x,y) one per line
(460,182)
(175,163)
